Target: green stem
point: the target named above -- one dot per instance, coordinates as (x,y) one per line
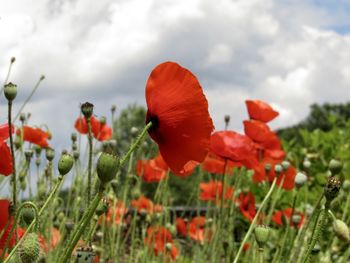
(274,201)
(251,227)
(261,255)
(136,143)
(43,208)
(88,120)
(82,225)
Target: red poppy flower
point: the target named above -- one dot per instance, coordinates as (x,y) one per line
(100,131)
(213,191)
(197,230)
(145,204)
(7,221)
(181,226)
(272,147)
(34,135)
(178,110)
(261,111)
(160,238)
(286,213)
(6,167)
(152,170)
(247,205)
(235,147)
(257,131)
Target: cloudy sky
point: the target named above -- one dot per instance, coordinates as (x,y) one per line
(290,53)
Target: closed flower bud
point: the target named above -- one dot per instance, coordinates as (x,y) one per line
(113,108)
(76,155)
(346,185)
(306,164)
(29,249)
(296,220)
(278,168)
(37,161)
(28,215)
(285,165)
(103,120)
(335,166)
(50,154)
(300,179)
(341,230)
(134,131)
(87,109)
(28,154)
(168,246)
(107,167)
(74,137)
(23,185)
(261,235)
(10,91)
(227,119)
(22,117)
(268,167)
(65,164)
(332,188)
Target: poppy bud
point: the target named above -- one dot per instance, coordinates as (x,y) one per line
(285,165)
(103,120)
(296,220)
(13,59)
(135,193)
(227,119)
(74,137)
(28,215)
(300,179)
(76,155)
(306,164)
(37,161)
(65,164)
(113,108)
(50,154)
(107,167)
(85,255)
(22,117)
(102,208)
(261,235)
(316,249)
(134,131)
(28,154)
(335,166)
(74,147)
(168,246)
(278,168)
(346,185)
(268,167)
(87,109)
(60,216)
(341,230)
(29,250)
(332,188)
(10,91)
(37,150)
(41,191)
(23,185)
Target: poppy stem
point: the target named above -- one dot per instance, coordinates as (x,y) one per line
(42,209)
(251,227)
(88,120)
(136,143)
(14,177)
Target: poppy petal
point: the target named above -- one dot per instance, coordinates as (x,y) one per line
(261,111)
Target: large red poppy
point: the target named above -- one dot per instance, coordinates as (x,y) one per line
(213,191)
(261,111)
(159,238)
(34,135)
(100,131)
(178,110)
(257,131)
(143,204)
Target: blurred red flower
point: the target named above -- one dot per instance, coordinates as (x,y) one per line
(257,131)
(34,135)
(178,110)
(159,238)
(216,165)
(117,212)
(146,205)
(261,111)
(100,130)
(279,217)
(181,226)
(247,205)
(213,191)
(5,153)
(152,170)
(197,230)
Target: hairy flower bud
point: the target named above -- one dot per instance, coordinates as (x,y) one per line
(341,230)
(29,249)
(10,91)
(28,215)
(107,167)
(300,179)
(87,109)
(332,188)
(65,164)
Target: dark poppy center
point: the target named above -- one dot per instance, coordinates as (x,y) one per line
(155,122)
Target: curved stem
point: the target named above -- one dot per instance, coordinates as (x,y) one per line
(88,120)
(251,227)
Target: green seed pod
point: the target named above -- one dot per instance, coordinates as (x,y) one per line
(285,165)
(41,191)
(28,154)
(29,249)
(341,230)
(278,168)
(10,91)
(261,235)
(103,120)
(135,193)
(332,188)
(76,155)
(300,179)
(306,164)
(22,117)
(107,167)
(28,215)
(227,119)
(87,109)
(65,164)
(23,185)
(113,108)
(37,161)
(37,150)
(50,154)
(74,137)
(335,166)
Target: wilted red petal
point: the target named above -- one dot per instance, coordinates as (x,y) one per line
(178,110)
(261,111)
(257,131)
(5,160)
(81,125)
